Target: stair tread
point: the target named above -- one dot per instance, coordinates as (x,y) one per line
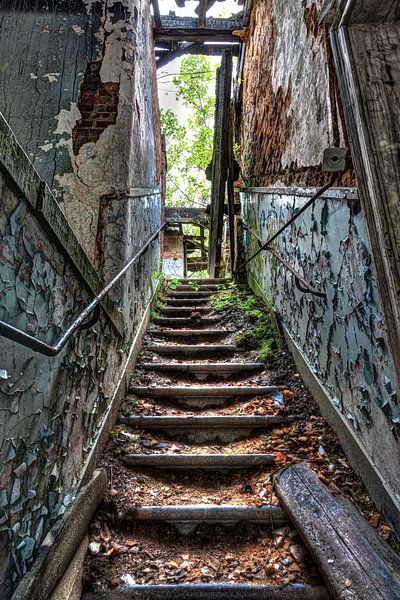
(189,332)
(205,390)
(195,461)
(203,420)
(206,512)
(206,366)
(213,591)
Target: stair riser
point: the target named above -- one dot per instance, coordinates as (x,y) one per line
(213,592)
(187,518)
(177,311)
(187,336)
(189,392)
(206,352)
(203,436)
(204,462)
(201,323)
(188,295)
(205,373)
(186,302)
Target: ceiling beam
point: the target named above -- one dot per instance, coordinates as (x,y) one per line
(195,35)
(195,48)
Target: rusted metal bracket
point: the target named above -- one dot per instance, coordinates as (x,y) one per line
(301,283)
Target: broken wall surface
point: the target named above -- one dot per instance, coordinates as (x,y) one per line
(290,105)
(105,183)
(341,337)
(78,90)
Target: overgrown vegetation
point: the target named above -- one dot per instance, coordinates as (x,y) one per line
(189,146)
(260,331)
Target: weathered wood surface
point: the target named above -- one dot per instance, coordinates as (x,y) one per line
(228,25)
(366,11)
(367,60)
(157,14)
(352,567)
(186,215)
(166,57)
(195,35)
(220,162)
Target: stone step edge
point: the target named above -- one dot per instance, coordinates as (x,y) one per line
(198,461)
(206,422)
(191,332)
(213,591)
(204,391)
(203,367)
(207,513)
(192,349)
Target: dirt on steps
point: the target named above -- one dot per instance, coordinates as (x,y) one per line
(122,553)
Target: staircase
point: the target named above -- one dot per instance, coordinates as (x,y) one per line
(188,345)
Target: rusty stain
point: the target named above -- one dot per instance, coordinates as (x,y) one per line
(98,105)
(312,16)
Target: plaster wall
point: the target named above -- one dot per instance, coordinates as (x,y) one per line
(78,89)
(341,337)
(291,109)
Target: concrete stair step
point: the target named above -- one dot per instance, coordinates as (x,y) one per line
(203,287)
(225,428)
(204,370)
(190,333)
(206,462)
(210,350)
(188,302)
(187,518)
(179,311)
(187,295)
(204,391)
(186,322)
(213,591)
(204,281)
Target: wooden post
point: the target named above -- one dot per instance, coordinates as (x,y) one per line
(202,12)
(220,160)
(231,191)
(156,11)
(366,45)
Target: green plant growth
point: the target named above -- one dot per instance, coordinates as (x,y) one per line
(263,335)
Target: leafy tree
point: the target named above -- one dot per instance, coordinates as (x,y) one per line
(189,146)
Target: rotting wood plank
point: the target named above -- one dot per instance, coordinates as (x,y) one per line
(202,12)
(195,35)
(157,14)
(219,164)
(351,566)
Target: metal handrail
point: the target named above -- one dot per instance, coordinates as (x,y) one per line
(266,244)
(301,283)
(29,341)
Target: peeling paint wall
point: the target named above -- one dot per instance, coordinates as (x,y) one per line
(342,337)
(65,66)
(78,90)
(290,110)
(51,409)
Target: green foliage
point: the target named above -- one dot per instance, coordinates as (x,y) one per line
(173,283)
(264,335)
(189,146)
(157,276)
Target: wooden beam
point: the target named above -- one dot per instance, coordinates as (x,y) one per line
(195,48)
(352,567)
(157,14)
(173,22)
(197,216)
(202,12)
(219,164)
(195,35)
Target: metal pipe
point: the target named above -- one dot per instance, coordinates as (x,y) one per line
(303,286)
(16,335)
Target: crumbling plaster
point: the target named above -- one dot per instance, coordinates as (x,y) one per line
(290,109)
(42,70)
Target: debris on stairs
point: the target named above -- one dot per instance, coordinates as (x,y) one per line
(191,511)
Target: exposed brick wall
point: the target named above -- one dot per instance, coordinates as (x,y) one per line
(98,104)
(291,108)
